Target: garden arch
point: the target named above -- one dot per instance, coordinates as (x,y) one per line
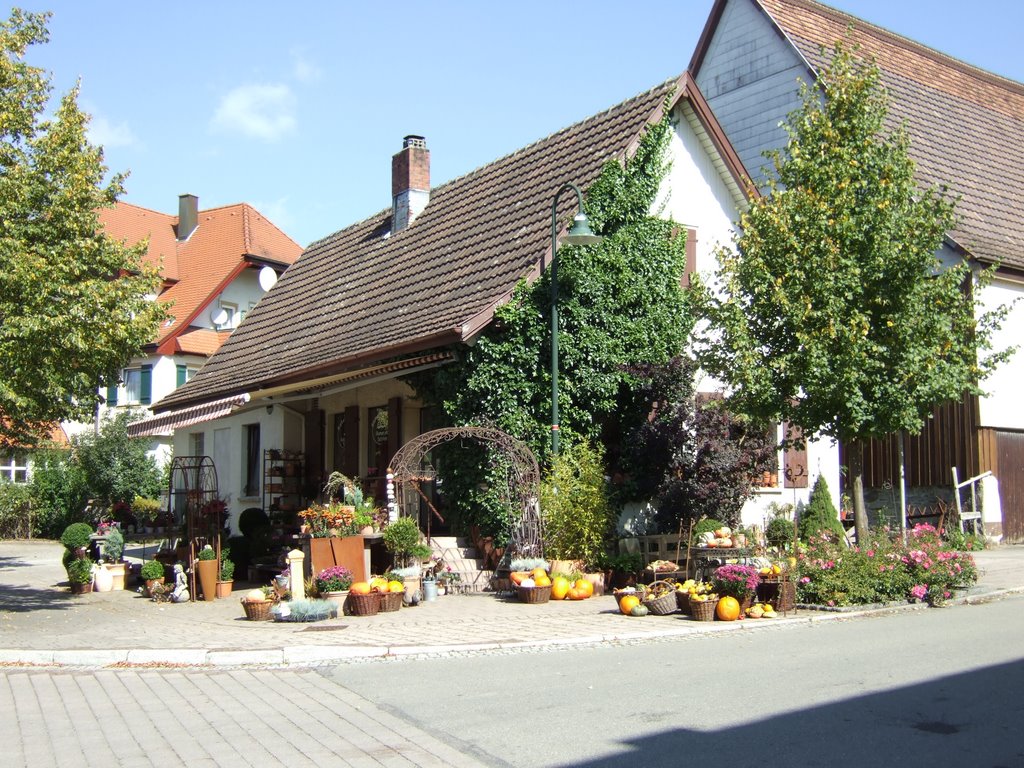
(411,469)
(192,492)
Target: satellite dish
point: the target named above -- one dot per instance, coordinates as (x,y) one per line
(268,277)
(218,316)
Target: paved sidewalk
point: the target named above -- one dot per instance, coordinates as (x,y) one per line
(41,623)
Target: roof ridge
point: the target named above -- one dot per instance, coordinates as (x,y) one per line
(934,54)
(267,221)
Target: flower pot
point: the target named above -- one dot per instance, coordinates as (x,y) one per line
(208,572)
(224,588)
(336,597)
(117,573)
(597,579)
(102,579)
(81,588)
(150,583)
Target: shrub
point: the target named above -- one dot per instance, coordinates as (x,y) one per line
(207,553)
(227,565)
(578,518)
(80,571)
(779,532)
(116,467)
(820,514)
(402,539)
(15,508)
(152,569)
(59,492)
(145,510)
(113,547)
(76,536)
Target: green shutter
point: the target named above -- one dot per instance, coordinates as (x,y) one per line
(182,375)
(146,385)
(112,395)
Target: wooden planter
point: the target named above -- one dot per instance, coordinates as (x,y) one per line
(338,550)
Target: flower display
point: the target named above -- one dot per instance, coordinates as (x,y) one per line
(337,578)
(736,580)
(331,519)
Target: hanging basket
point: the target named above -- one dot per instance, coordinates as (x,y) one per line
(363,605)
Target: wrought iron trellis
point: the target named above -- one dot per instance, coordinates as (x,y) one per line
(411,468)
(193,485)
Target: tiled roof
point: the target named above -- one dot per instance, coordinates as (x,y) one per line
(363,294)
(966,125)
(201,265)
(200,341)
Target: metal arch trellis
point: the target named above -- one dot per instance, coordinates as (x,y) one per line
(193,485)
(411,467)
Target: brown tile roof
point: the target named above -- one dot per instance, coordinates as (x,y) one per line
(203,264)
(966,125)
(363,295)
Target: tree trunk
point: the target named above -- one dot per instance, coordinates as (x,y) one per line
(855,464)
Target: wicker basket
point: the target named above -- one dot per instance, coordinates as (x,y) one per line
(257,610)
(683,602)
(362,605)
(703,610)
(664,605)
(391,601)
(781,595)
(534,594)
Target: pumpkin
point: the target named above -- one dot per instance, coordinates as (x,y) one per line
(542,581)
(575,593)
(396,586)
(627,603)
(255,596)
(639,610)
(728,609)
(518,576)
(538,572)
(378,584)
(559,588)
(586,586)
(360,588)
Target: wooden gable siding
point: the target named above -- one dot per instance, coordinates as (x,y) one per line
(749,77)
(949,438)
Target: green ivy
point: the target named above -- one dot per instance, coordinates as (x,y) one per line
(620,303)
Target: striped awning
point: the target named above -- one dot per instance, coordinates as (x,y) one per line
(166,423)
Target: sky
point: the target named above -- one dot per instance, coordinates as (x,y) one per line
(297,108)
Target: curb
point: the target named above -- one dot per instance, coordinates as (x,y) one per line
(310,655)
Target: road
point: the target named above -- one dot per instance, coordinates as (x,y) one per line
(930,688)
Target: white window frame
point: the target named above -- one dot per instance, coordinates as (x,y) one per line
(130,397)
(12,466)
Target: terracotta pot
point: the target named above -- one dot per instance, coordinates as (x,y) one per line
(224,588)
(150,583)
(597,579)
(80,588)
(208,572)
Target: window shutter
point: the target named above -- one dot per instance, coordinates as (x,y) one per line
(182,375)
(146,385)
(794,460)
(112,395)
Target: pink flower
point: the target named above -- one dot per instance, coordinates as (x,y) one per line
(805,580)
(918,591)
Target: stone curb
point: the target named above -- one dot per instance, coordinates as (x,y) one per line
(309,655)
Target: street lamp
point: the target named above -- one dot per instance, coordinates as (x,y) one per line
(579,234)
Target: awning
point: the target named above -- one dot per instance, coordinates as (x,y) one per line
(166,423)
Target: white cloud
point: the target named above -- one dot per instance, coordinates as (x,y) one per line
(259,111)
(104,133)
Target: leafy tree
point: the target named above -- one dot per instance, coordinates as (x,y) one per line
(115,466)
(687,452)
(620,302)
(73,306)
(833,312)
(59,491)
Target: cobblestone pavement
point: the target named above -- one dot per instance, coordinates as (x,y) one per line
(41,623)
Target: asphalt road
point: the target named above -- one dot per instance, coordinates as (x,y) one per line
(929,688)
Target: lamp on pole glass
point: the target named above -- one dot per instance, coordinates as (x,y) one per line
(579,234)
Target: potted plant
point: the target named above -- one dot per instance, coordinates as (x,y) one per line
(145,512)
(80,575)
(206,567)
(738,581)
(227,574)
(75,539)
(113,551)
(152,573)
(333,583)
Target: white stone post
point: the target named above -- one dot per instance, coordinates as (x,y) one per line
(295,575)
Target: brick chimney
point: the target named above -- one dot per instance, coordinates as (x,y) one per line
(188,216)
(410,182)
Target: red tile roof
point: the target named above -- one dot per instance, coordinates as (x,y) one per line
(204,263)
(966,125)
(365,295)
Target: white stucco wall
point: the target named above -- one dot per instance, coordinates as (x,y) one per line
(1002,406)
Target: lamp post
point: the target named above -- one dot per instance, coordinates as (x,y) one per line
(579,234)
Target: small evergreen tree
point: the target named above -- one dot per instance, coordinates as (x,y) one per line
(820,514)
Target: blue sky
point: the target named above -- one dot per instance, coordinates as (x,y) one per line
(297,108)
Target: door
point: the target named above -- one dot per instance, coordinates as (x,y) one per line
(1010,457)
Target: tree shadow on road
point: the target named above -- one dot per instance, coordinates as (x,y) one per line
(966,719)
(22,599)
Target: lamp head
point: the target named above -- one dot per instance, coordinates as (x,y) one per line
(580,232)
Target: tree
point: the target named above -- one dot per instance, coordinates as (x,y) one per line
(833,311)
(116,467)
(73,303)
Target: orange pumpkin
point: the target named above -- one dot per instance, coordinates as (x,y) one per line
(518,576)
(379,584)
(575,593)
(587,587)
(628,603)
(728,609)
(360,588)
(560,588)
(538,573)
(542,581)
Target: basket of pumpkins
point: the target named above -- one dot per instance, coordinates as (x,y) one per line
(257,603)
(660,597)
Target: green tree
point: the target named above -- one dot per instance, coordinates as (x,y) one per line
(115,466)
(833,311)
(820,514)
(73,303)
(620,303)
(578,519)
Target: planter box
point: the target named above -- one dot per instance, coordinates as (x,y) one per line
(337,550)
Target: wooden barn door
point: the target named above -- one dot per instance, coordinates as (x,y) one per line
(1010,463)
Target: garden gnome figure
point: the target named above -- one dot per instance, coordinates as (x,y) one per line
(180,593)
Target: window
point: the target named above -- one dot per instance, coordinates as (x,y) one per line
(227,318)
(136,387)
(183,373)
(132,378)
(377,440)
(197,443)
(13,467)
(251,466)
